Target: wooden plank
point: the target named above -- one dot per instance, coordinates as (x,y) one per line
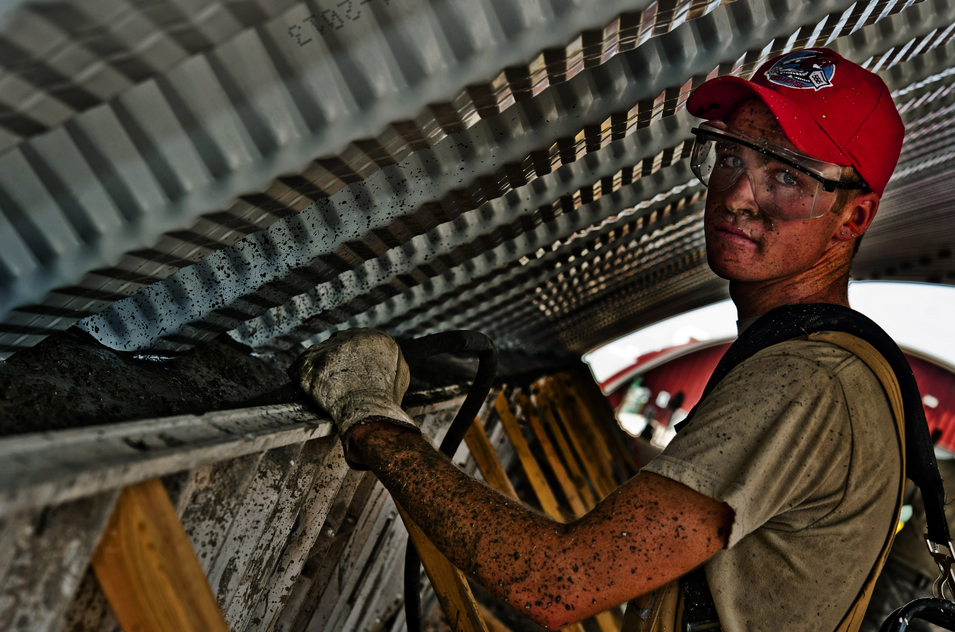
(607,622)
(486,459)
(207,499)
(49,561)
(546,406)
(603,414)
(323,566)
(448,582)
(594,432)
(493,623)
(148,570)
(251,521)
(336,600)
(587,455)
(534,474)
(568,487)
(493,472)
(15,531)
(302,604)
(385,595)
(361,569)
(43,469)
(591,437)
(315,511)
(595,456)
(366,575)
(17,542)
(211,500)
(388,552)
(337,566)
(51,468)
(274,537)
(209,496)
(90,611)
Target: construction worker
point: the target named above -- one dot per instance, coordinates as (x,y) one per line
(782,485)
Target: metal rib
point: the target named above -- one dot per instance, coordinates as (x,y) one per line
(266,124)
(460,241)
(496,276)
(256,107)
(205,328)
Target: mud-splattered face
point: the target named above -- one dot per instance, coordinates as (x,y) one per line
(743,243)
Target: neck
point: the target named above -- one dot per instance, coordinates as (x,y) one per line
(820,285)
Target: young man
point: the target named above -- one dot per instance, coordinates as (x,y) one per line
(784,482)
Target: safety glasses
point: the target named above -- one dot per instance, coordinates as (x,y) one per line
(786,184)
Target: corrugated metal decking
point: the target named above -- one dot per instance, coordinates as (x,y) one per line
(280,170)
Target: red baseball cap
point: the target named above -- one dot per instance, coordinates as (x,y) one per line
(828,107)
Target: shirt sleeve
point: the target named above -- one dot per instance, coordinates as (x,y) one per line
(772,435)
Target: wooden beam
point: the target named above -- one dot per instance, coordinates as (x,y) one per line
(50,468)
(577,505)
(592,434)
(42,558)
(605,620)
(148,570)
(589,456)
(596,431)
(534,473)
(545,406)
(486,459)
(448,582)
(493,623)
(603,414)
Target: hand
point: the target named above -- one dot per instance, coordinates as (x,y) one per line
(357,375)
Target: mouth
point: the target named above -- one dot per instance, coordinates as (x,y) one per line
(734,235)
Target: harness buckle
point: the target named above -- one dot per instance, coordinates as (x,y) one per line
(945,560)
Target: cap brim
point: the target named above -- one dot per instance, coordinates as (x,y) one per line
(717,98)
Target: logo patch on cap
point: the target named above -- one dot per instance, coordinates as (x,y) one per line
(803,70)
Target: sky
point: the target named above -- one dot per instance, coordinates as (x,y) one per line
(918,316)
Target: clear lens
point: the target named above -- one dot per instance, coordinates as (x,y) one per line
(780,178)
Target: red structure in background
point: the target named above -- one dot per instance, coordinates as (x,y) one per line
(688,367)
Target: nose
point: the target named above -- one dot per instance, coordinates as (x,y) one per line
(740,196)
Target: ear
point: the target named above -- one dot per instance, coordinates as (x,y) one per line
(857,216)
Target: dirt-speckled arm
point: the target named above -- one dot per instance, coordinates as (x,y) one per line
(649,531)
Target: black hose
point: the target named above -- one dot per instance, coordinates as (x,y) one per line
(427,346)
(412,596)
(941,612)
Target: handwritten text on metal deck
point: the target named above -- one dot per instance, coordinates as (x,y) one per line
(329,20)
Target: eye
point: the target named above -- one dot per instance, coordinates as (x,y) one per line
(729,161)
(787,178)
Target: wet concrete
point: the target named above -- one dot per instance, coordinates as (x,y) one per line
(70,380)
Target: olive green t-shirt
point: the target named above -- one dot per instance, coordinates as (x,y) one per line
(799,440)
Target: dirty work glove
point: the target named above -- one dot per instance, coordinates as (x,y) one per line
(357,375)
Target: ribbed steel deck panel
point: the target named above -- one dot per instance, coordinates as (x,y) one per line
(280,170)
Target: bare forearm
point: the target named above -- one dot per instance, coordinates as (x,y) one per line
(555,573)
(484,533)
(645,533)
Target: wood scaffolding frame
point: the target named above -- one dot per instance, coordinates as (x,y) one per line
(251,520)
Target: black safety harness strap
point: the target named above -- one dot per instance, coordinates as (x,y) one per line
(794,321)
(699,611)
